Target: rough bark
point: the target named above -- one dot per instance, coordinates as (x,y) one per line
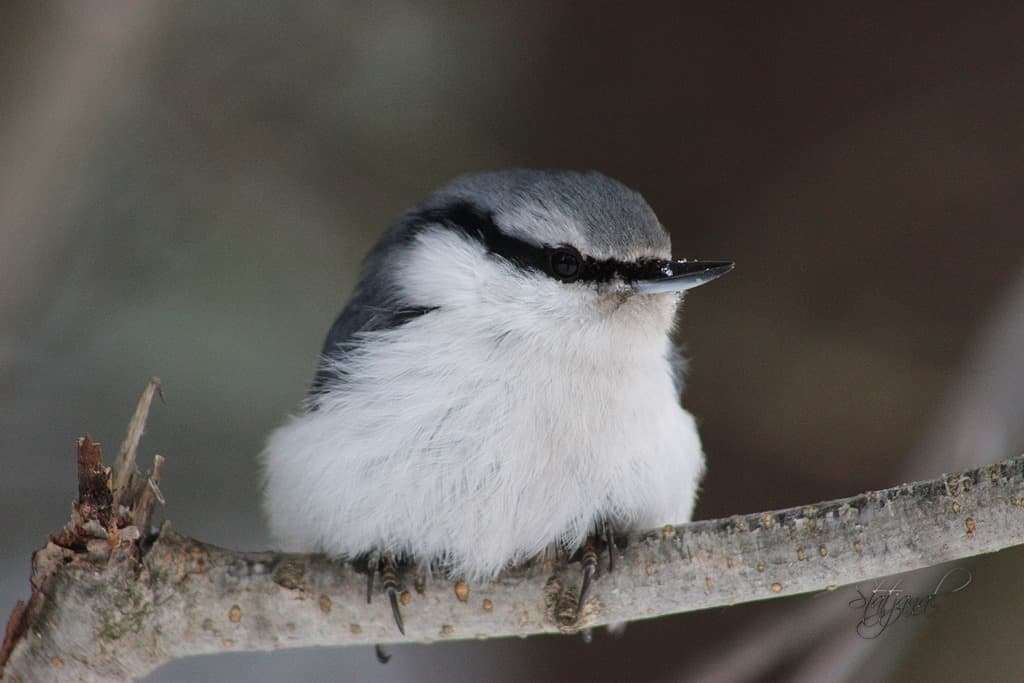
(107,604)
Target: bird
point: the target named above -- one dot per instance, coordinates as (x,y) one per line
(502,383)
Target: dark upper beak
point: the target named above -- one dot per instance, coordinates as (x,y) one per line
(678,276)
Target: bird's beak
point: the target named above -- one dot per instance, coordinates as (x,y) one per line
(678,276)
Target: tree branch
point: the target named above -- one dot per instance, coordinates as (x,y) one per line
(983,418)
(107,604)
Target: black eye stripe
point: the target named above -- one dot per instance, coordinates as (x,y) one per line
(480,226)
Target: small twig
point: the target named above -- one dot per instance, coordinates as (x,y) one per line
(124,466)
(142,513)
(92,479)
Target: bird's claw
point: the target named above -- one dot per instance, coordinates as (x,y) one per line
(385,564)
(589,567)
(389,577)
(589,562)
(608,536)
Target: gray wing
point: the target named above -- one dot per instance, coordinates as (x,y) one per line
(362,314)
(375,305)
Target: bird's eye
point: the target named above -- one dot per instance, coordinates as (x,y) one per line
(565,263)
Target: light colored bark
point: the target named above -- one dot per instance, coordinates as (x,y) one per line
(120,609)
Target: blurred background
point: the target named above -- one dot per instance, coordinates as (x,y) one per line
(187,188)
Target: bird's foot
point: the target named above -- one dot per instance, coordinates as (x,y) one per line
(384,563)
(606,534)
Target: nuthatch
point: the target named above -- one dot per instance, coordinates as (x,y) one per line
(501,383)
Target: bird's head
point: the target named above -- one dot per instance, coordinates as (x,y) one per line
(536,248)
